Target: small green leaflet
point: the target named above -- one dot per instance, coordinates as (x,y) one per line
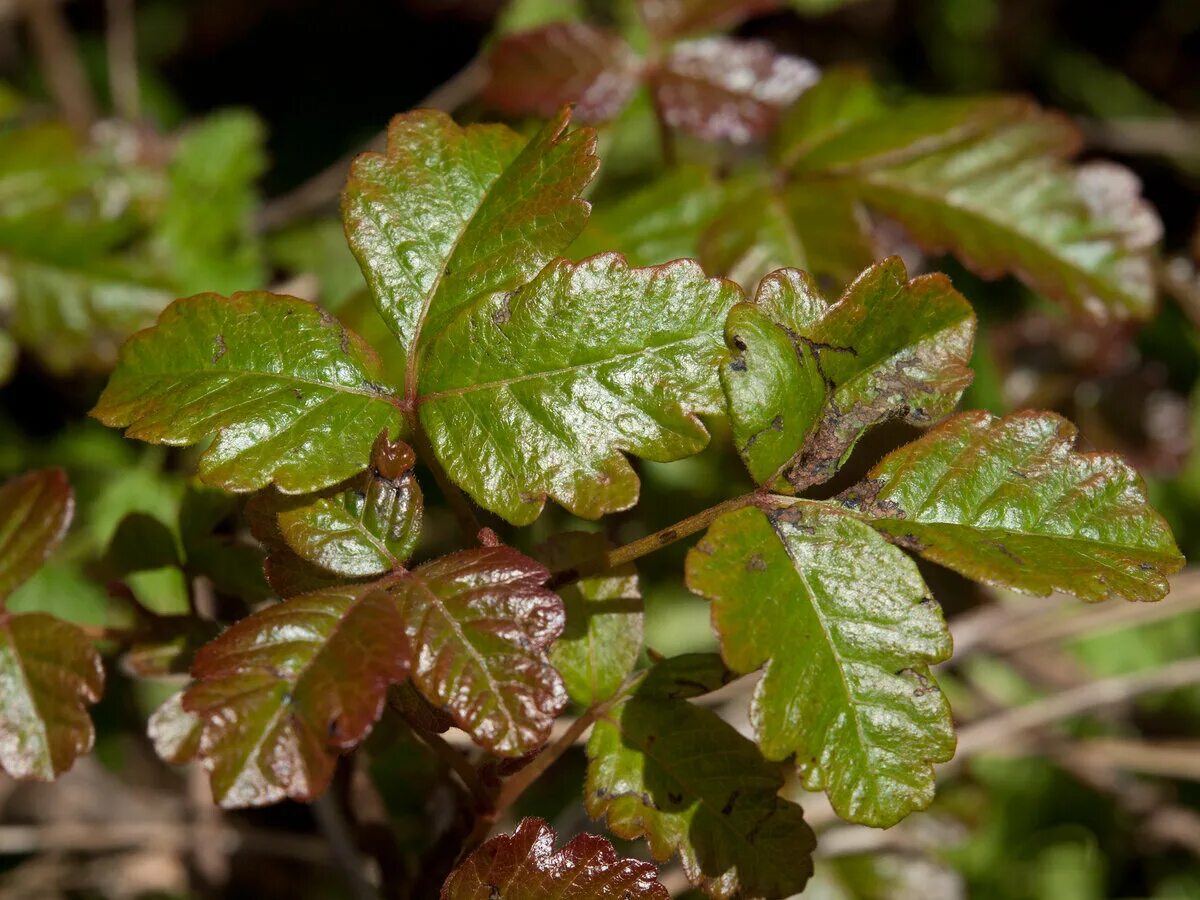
(284,690)
(846,630)
(1009,501)
(293,396)
(678,775)
(807,378)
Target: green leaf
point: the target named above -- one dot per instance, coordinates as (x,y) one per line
(538,392)
(452,217)
(525,866)
(49,673)
(684,779)
(480,624)
(369,527)
(603,636)
(291,395)
(807,378)
(1008,501)
(35,512)
(287,574)
(284,690)
(989,180)
(846,630)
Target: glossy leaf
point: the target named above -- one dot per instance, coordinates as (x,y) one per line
(35,511)
(806,378)
(284,690)
(989,180)
(174,731)
(537,393)
(722,88)
(537,72)
(287,573)
(603,636)
(453,217)
(49,674)
(525,866)
(367,528)
(1009,501)
(683,778)
(291,395)
(677,18)
(480,624)
(845,630)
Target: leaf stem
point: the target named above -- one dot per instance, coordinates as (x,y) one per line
(58,55)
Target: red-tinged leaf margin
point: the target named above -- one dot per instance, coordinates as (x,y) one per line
(35,512)
(525,866)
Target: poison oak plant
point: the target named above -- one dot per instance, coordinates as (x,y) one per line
(523,377)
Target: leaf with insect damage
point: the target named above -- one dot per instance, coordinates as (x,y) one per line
(291,395)
(806,378)
(988,179)
(285,690)
(1009,501)
(845,631)
(480,624)
(525,866)
(678,775)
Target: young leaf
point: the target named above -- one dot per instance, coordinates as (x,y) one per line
(284,690)
(366,529)
(603,636)
(35,511)
(174,731)
(846,630)
(537,72)
(721,88)
(668,19)
(1008,501)
(49,673)
(450,217)
(480,623)
(989,180)
(807,378)
(677,774)
(525,866)
(287,573)
(538,392)
(291,395)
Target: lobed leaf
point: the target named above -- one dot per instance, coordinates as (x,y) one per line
(807,378)
(453,217)
(49,674)
(539,71)
(291,395)
(602,639)
(538,393)
(35,512)
(525,866)
(480,624)
(284,690)
(677,774)
(845,630)
(1009,501)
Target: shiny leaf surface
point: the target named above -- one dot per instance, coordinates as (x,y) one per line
(480,624)
(525,866)
(35,511)
(175,732)
(1009,501)
(537,393)
(291,395)
(807,378)
(845,630)
(284,690)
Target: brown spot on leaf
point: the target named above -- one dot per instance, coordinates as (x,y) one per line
(756,563)
(219,348)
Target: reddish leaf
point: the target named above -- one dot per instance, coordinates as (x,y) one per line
(35,510)
(480,623)
(284,690)
(49,672)
(525,866)
(174,731)
(536,72)
(721,88)
(676,18)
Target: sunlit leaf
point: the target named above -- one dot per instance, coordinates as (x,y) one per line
(845,630)
(174,731)
(284,690)
(525,866)
(1009,501)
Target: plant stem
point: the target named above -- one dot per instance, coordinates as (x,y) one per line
(58,56)
(121,47)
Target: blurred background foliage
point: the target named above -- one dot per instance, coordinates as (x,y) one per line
(206,155)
